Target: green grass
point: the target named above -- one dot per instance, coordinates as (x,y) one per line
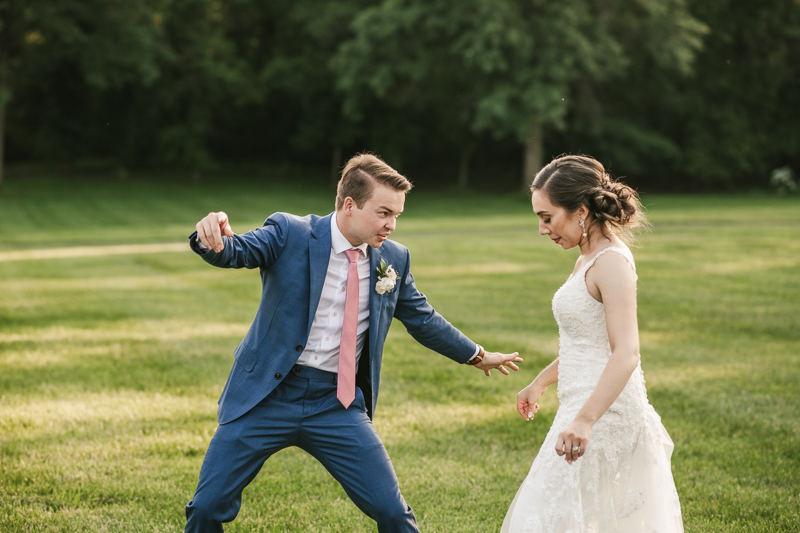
(110,366)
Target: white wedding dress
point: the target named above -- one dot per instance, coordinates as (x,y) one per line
(623,483)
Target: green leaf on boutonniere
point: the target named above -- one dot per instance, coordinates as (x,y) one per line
(382,273)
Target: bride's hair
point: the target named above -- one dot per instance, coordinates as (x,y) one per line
(570,181)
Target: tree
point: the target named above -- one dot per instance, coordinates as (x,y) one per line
(109,42)
(298,71)
(403,55)
(515,65)
(242,79)
(737,113)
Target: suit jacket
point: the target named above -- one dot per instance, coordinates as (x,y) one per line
(292,254)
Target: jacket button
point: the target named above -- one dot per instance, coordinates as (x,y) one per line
(278,375)
(299,348)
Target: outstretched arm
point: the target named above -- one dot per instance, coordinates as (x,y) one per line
(613,279)
(218,245)
(431,329)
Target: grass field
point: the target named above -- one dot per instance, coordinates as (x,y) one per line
(111,363)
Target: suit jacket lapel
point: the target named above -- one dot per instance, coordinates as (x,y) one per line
(319,252)
(375,299)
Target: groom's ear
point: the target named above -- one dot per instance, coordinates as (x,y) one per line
(347,205)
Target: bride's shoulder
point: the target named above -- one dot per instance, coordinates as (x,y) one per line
(614,261)
(611,272)
(621,249)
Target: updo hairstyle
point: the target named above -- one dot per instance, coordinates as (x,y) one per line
(570,181)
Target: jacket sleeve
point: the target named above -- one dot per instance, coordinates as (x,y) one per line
(428,327)
(259,248)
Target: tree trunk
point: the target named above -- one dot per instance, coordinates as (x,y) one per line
(533,151)
(463,170)
(2,138)
(336,164)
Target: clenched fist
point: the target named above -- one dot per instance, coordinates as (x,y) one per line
(211,229)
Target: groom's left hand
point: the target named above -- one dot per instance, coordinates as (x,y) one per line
(499,361)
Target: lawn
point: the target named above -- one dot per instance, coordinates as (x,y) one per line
(112,359)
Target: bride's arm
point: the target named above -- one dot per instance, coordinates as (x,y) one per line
(613,279)
(527,397)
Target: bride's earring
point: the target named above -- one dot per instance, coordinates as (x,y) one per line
(583,227)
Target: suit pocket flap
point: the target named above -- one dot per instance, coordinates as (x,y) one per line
(245,358)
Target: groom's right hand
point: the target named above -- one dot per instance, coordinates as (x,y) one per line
(499,361)
(211,229)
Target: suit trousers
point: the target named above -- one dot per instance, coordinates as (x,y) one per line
(302,411)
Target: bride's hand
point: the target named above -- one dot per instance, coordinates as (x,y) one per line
(573,440)
(526,401)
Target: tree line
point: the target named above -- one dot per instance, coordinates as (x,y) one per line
(676,94)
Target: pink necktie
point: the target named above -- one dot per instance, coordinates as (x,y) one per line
(346,390)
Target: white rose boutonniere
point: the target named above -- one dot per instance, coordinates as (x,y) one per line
(387,278)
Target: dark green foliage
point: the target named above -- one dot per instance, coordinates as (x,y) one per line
(743,123)
(673,94)
(513,69)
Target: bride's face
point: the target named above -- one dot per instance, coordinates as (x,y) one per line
(563,228)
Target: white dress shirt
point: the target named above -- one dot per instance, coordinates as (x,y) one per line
(322,348)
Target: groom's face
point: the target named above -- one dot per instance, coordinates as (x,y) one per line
(375,220)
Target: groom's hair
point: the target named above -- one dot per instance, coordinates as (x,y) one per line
(360,175)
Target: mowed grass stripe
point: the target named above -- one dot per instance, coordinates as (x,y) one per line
(92,251)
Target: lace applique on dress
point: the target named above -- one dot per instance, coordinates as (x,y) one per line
(623,483)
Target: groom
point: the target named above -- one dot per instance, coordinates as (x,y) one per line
(307,373)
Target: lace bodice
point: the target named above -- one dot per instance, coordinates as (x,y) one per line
(584,348)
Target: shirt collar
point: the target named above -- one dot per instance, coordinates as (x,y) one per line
(339,242)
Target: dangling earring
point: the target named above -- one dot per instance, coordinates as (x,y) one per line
(583,227)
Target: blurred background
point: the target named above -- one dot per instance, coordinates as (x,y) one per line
(122,122)
(675,95)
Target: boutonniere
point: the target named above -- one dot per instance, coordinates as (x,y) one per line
(387,278)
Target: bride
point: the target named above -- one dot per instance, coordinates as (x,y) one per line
(605,463)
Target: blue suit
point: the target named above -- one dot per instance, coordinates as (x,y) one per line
(269,403)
